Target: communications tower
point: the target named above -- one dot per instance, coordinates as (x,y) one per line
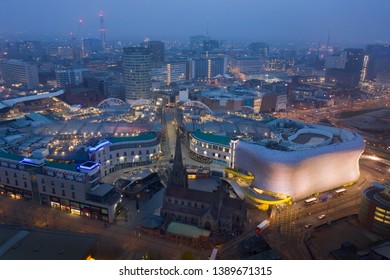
(102,30)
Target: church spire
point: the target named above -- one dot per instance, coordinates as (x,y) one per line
(178,176)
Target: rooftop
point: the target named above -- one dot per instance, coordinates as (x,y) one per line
(17,244)
(101,189)
(63,166)
(187,230)
(140,137)
(216,139)
(10,156)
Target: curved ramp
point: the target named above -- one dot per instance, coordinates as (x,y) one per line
(236,187)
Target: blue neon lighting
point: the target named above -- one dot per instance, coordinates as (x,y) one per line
(89,167)
(101,145)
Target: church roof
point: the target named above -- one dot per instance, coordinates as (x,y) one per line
(192,195)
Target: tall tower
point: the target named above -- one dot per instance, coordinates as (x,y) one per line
(102,30)
(178,178)
(137,68)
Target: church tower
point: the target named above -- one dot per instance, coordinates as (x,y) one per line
(178,177)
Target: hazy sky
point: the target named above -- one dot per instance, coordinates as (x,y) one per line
(261,20)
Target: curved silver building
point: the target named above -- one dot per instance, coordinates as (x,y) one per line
(301,159)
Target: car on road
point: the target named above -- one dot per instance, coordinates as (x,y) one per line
(320,217)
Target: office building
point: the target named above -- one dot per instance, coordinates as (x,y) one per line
(137,66)
(157,51)
(16,72)
(207,68)
(350,72)
(71,76)
(378,61)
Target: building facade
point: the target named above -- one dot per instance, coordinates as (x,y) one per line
(157,50)
(137,67)
(374,212)
(210,148)
(69,188)
(118,152)
(71,77)
(19,72)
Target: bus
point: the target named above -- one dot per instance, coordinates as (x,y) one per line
(311,201)
(262,226)
(340,192)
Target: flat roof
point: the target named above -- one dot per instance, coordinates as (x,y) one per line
(19,244)
(63,166)
(187,230)
(101,189)
(10,156)
(140,137)
(216,139)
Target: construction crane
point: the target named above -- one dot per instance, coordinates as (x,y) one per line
(74,36)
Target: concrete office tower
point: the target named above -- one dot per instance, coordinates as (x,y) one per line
(157,50)
(19,72)
(137,66)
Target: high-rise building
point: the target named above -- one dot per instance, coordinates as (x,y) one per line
(378,60)
(19,72)
(157,50)
(353,60)
(207,68)
(71,76)
(350,74)
(137,67)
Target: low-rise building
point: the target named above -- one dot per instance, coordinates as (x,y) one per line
(70,188)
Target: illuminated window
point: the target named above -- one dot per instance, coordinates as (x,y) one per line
(378,219)
(380,209)
(379,214)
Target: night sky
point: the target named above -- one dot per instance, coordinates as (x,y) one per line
(348,21)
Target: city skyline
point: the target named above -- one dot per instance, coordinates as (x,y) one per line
(350,22)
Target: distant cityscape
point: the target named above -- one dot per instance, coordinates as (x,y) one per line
(193,149)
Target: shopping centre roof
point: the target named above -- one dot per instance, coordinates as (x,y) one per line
(211,138)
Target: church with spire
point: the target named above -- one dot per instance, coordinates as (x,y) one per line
(214,211)
(178,176)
